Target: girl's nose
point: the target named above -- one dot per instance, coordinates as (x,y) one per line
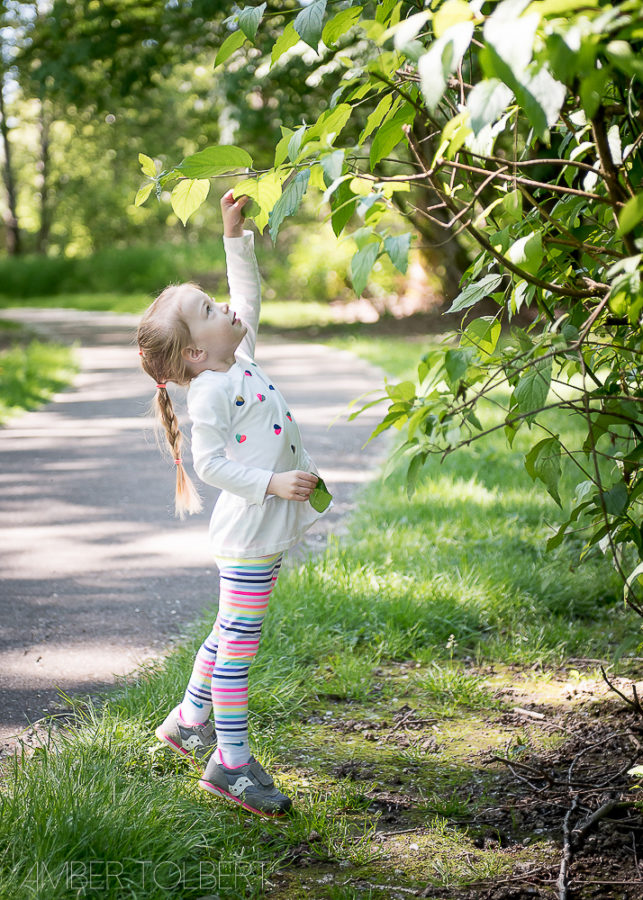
(225,308)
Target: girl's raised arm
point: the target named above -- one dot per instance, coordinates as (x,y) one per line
(245,286)
(243,272)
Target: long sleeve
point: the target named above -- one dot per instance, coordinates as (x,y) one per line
(210,411)
(245,286)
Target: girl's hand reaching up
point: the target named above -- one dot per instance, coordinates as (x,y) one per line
(231,211)
(293,485)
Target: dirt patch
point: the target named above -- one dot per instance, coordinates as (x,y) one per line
(492,821)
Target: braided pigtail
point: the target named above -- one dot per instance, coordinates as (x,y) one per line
(186,497)
(162,334)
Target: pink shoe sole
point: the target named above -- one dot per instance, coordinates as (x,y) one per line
(167,740)
(219,792)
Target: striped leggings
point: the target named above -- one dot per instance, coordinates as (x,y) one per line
(219,678)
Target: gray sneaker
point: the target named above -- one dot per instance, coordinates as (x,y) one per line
(194,741)
(248,785)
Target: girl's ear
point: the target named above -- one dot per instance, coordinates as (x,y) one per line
(192,355)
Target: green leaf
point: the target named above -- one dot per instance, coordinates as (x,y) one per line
(147,165)
(475,292)
(483,334)
(289,201)
(616,499)
(342,204)
(332,165)
(508,52)
(620,53)
(634,578)
(308,23)
(592,88)
(281,150)
(486,102)
(556,7)
(386,9)
(521,293)
(294,144)
(330,122)
(511,36)
(453,12)
(214,161)
(287,39)
(361,265)
(320,496)
(527,253)
(143,193)
(543,462)
(413,472)
(531,391)
(376,117)
(630,215)
(441,59)
(228,47)
(512,203)
(391,133)
(542,98)
(456,363)
(397,248)
(339,24)
(249,19)
(265,191)
(405,390)
(188,195)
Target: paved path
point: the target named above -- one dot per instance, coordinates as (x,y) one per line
(97,574)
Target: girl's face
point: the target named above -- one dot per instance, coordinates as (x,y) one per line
(215,330)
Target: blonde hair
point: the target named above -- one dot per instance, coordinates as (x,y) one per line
(162,334)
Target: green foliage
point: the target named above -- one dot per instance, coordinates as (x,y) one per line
(30,374)
(515,123)
(120,270)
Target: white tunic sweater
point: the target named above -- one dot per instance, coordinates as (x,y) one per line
(243,432)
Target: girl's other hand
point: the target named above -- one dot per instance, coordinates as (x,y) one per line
(231,211)
(293,485)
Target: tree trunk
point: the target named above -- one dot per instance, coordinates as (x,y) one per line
(14,241)
(440,251)
(42,239)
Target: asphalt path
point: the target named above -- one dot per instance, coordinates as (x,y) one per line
(97,577)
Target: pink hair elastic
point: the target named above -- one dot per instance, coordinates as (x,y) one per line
(161,384)
(178,461)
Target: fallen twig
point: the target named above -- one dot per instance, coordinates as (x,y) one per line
(635,704)
(528,712)
(581,831)
(562,884)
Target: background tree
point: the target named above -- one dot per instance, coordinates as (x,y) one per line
(10,27)
(517,124)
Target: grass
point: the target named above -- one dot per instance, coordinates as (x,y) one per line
(400,612)
(399,616)
(31,371)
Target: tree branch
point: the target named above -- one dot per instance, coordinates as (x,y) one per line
(482,240)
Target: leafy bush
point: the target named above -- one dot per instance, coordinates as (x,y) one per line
(130,270)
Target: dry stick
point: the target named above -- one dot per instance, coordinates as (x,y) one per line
(635,704)
(565,862)
(581,831)
(539,773)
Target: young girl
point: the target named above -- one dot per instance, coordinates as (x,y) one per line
(246,442)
